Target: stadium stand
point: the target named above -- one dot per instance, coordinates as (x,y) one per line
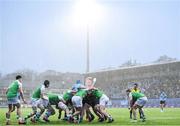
(152,79)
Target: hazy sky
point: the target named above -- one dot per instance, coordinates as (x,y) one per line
(42,35)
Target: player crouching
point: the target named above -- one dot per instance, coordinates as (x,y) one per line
(77,101)
(43,102)
(58,101)
(140,100)
(100,106)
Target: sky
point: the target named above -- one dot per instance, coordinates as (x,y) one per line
(48,35)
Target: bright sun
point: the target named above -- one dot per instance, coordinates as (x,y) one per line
(87,12)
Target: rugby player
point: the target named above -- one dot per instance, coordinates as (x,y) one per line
(13,99)
(140,100)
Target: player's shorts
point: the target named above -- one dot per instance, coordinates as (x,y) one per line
(94,102)
(62,106)
(103,100)
(34,102)
(43,102)
(162,102)
(77,101)
(90,100)
(13,101)
(141,101)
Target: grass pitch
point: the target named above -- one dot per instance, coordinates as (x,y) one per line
(170,117)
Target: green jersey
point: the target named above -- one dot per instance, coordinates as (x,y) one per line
(82,93)
(67,96)
(97,93)
(54,99)
(13,89)
(37,93)
(136,95)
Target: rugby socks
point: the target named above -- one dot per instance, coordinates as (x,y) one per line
(37,116)
(131,114)
(47,114)
(7,116)
(141,113)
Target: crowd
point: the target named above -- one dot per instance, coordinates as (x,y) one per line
(151,86)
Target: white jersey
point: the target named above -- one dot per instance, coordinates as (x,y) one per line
(44,92)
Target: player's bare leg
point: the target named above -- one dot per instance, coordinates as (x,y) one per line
(61,106)
(134,113)
(162,107)
(142,114)
(19,114)
(76,115)
(89,114)
(13,108)
(38,114)
(130,112)
(97,111)
(59,114)
(104,112)
(8,114)
(50,111)
(31,114)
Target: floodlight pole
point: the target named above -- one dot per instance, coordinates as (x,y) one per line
(87,49)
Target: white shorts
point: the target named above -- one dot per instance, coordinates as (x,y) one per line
(141,101)
(77,101)
(34,102)
(103,100)
(62,106)
(42,102)
(14,100)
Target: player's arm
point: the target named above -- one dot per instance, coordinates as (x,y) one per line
(165,95)
(130,100)
(21,93)
(7,90)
